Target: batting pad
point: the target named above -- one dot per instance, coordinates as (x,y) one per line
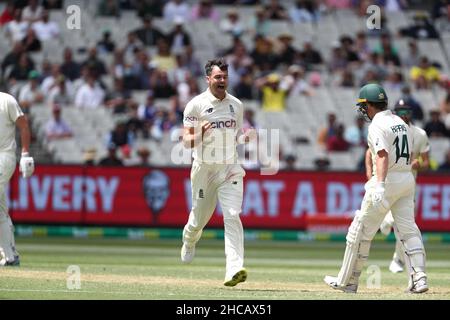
(355,256)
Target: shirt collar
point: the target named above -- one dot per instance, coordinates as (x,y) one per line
(212,98)
(383,113)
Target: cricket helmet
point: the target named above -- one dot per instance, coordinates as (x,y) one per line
(371,92)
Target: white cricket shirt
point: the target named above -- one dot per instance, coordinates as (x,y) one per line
(389,132)
(225,116)
(9,112)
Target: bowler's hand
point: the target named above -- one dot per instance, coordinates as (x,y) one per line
(26,165)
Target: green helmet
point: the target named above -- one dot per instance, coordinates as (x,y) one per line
(371,92)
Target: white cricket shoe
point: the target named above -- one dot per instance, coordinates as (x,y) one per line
(419,285)
(238,277)
(396,266)
(332,282)
(187,253)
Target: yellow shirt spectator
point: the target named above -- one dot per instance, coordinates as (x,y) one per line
(273,99)
(426,70)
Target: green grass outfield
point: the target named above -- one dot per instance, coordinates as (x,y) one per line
(113,268)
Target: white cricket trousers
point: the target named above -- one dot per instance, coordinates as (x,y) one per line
(223,182)
(7,243)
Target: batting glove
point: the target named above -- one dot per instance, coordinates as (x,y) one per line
(378,200)
(26,165)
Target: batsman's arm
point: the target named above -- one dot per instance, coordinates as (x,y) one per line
(382,162)
(368,163)
(22,124)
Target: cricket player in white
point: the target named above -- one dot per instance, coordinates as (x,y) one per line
(11,116)
(420,156)
(391,188)
(213,128)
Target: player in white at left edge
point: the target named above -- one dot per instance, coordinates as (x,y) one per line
(11,116)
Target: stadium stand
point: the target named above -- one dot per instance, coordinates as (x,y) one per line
(322,88)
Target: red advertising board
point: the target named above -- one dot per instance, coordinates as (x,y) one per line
(161,197)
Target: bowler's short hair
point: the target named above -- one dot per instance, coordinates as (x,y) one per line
(220,62)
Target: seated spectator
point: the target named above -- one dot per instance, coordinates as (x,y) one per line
(304,11)
(31,93)
(56,128)
(338,142)
(176,8)
(111,159)
(424,72)
(273,96)
(325,133)
(118,99)
(347,45)
(362,48)
(164,60)
(310,54)
(109,8)
(33,11)
(290,161)
(59,93)
(31,43)
(263,55)
(147,110)
(435,127)
(69,68)
(52,4)
(134,44)
(205,10)
(148,34)
(231,24)
(445,166)
(95,65)
(347,79)
(8,13)
(149,8)
(422,28)
(50,81)
(244,88)
(260,24)
(16,30)
(140,72)
(275,10)
(121,137)
(89,156)
(356,135)
(161,86)
(46,29)
(191,62)
(387,50)
(106,45)
(295,83)
(22,69)
(394,81)
(286,52)
(413,57)
(322,164)
(178,38)
(90,94)
(135,125)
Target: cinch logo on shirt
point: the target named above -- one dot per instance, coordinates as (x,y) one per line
(190,118)
(223,124)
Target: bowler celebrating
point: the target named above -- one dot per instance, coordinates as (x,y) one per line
(213,128)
